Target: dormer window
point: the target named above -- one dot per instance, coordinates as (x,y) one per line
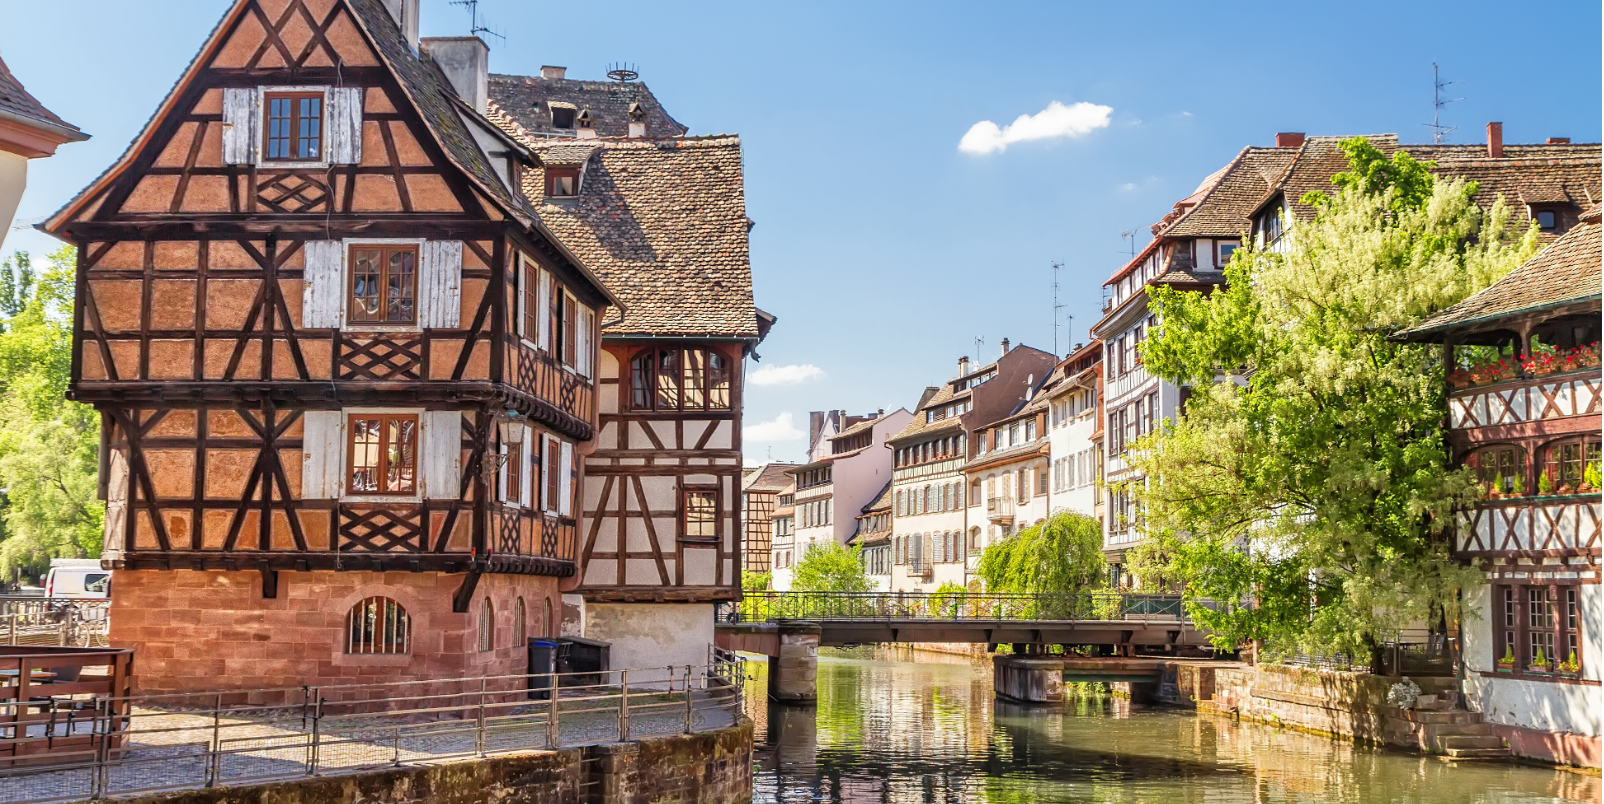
(562,182)
(562,115)
(1548,219)
(293,127)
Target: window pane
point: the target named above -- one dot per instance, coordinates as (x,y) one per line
(311,128)
(718,388)
(364,454)
(365,271)
(640,370)
(700,514)
(401,458)
(278,128)
(401,286)
(695,377)
(667,377)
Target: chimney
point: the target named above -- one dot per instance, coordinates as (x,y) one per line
(1558,141)
(1005,346)
(637,120)
(1495,140)
(553,73)
(1289,139)
(815,425)
(405,14)
(466,62)
(585,125)
(963,365)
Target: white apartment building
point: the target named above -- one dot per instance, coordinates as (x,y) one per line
(848,466)
(929,489)
(1008,477)
(874,538)
(782,562)
(1074,431)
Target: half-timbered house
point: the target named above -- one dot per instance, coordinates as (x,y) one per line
(661,498)
(1524,414)
(760,491)
(343,370)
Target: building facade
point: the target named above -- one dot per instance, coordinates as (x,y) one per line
(1074,426)
(873,538)
(1532,646)
(760,492)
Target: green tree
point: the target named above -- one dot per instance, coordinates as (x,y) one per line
(1062,555)
(756,581)
(830,567)
(48,445)
(1308,494)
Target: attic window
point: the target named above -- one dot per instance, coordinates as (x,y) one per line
(294,129)
(562,182)
(561,117)
(1547,219)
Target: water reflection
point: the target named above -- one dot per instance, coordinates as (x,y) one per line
(893,726)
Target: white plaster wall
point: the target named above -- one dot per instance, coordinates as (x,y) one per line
(1066,441)
(1540,705)
(651,635)
(13,180)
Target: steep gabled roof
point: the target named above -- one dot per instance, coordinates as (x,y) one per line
(1567,272)
(17,104)
(770,477)
(663,223)
(528,99)
(1225,207)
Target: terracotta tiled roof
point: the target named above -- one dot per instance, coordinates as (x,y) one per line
(858,427)
(1225,207)
(1023,452)
(663,224)
(574,154)
(769,477)
(16,100)
(528,99)
(1568,271)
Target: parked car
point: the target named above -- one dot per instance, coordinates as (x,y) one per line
(80,578)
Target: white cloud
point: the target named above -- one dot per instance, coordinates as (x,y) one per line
(1057,120)
(780,428)
(785,375)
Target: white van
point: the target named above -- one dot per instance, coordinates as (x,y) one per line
(80,578)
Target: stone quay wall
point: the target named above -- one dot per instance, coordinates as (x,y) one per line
(709,768)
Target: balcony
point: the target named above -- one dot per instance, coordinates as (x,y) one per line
(1000,510)
(921,568)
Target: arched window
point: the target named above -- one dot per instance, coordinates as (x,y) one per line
(546,628)
(377,625)
(1572,465)
(520,635)
(974,539)
(487,627)
(1500,470)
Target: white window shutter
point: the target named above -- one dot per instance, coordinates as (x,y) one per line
(240,108)
(543,291)
(345,125)
(528,463)
(522,314)
(548,464)
(501,477)
(442,454)
(323,449)
(440,285)
(586,361)
(566,480)
(323,293)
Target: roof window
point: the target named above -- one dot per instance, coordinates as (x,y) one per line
(562,182)
(562,114)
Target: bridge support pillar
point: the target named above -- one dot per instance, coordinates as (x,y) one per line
(794,673)
(1028,680)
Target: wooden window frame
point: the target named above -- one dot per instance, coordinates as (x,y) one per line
(712,492)
(385,251)
(529,297)
(561,172)
(646,393)
(383,466)
(551,455)
(513,469)
(1589,448)
(1512,626)
(294,140)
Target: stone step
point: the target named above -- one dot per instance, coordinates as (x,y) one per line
(1470,741)
(1466,729)
(1448,716)
(1476,753)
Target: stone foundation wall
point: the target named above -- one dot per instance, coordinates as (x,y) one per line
(198,631)
(711,768)
(1339,704)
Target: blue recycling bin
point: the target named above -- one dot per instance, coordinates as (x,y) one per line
(542,661)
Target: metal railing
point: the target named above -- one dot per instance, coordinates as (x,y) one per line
(1434,657)
(53,621)
(122,746)
(767,606)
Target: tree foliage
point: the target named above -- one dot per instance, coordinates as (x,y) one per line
(756,581)
(1309,475)
(48,446)
(1060,555)
(830,567)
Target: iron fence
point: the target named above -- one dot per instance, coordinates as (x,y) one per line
(123,746)
(53,621)
(1436,656)
(767,606)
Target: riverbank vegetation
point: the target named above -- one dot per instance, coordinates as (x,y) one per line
(1307,485)
(831,567)
(48,446)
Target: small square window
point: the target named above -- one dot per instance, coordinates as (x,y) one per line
(382,454)
(562,117)
(1547,220)
(384,284)
(562,182)
(293,126)
(701,515)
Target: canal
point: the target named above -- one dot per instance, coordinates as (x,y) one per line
(897,726)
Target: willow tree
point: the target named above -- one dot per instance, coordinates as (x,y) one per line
(1308,485)
(1061,556)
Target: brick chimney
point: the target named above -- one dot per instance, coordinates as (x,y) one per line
(553,73)
(963,365)
(1289,139)
(405,13)
(1558,141)
(1495,140)
(466,62)
(1005,346)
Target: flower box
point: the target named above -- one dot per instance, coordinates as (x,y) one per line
(1504,667)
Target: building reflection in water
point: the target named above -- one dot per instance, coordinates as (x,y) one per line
(897,727)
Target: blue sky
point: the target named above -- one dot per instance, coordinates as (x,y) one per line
(884,249)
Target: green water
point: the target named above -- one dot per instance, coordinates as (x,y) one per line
(894,726)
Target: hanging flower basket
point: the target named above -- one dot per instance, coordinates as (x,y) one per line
(1556,361)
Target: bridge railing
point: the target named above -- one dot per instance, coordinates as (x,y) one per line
(769,606)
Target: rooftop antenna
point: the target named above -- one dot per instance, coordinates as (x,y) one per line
(979,341)
(474,28)
(1130,234)
(1057,266)
(622,72)
(1438,130)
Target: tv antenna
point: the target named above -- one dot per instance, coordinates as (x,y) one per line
(1438,130)
(623,73)
(474,27)
(1130,234)
(979,341)
(1057,266)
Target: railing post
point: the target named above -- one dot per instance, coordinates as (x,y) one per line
(688,708)
(479,734)
(213,760)
(623,707)
(97,779)
(395,747)
(551,714)
(317,733)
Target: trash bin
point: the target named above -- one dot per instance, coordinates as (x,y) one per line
(542,661)
(588,656)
